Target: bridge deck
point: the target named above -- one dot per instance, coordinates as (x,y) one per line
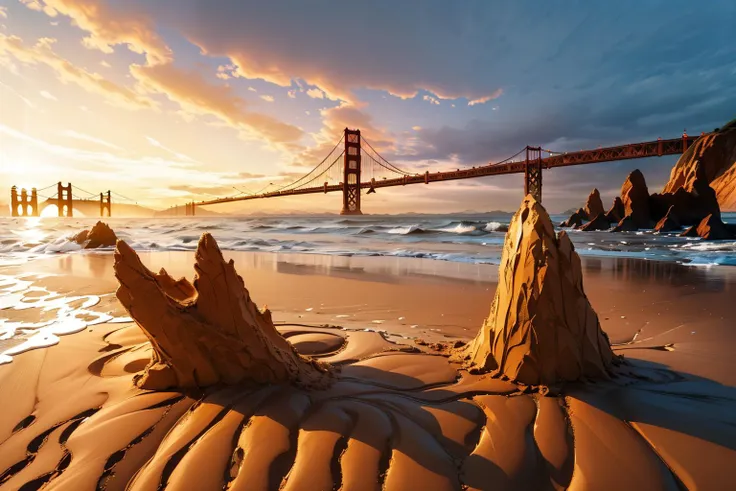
(655,148)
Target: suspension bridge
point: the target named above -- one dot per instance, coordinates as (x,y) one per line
(354,166)
(25,203)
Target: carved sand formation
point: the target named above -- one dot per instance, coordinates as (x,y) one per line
(100,235)
(701,183)
(542,329)
(209,332)
(385,417)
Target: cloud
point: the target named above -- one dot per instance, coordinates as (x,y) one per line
(84,137)
(197,96)
(315,94)
(176,154)
(291,94)
(46,95)
(431,100)
(108,26)
(20,96)
(403,60)
(4,12)
(267,98)
(498,93)
(39,6)
(42,53)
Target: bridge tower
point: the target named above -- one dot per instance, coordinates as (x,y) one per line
(533,173)
(351,174)
(14,201)
(24,201)
(105,204)
(64,198)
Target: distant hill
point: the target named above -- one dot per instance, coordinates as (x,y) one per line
(200,212)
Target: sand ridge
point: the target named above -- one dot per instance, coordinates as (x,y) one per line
(394,417)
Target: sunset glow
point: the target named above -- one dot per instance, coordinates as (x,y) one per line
(169,105)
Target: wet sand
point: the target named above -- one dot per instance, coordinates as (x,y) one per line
(396,418)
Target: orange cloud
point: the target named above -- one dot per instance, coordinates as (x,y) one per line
(197,96)
(108,27)
(483,100)
(42,53)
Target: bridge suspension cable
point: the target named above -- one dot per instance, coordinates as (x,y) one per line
(380,160)
(299,183)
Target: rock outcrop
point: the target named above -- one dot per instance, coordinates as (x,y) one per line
(669,222)
(626,224)
(542,328)
(711,227)
(617,211)
(101,235)
(594,205)
(600,222)
(635,197)
(715,153)
(692,201)
(208,332)
(576,219)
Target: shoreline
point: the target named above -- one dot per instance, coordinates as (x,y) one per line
(655,306)
(398,414)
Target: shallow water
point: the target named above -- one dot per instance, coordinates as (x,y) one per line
(458,238)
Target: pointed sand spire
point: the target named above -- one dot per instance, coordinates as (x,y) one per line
(542,328)
(209,332)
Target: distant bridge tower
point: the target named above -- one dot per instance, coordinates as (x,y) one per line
(533,173)
(189,209)
(64,198)
(105,204)
(28,205)
(351,174)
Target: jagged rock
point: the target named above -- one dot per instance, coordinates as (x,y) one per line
(716,154)
(625,225)
(616,212)
(209,332)
(600,222)
(101,235)
(692,201)
(635,197)
(711,227)
(594,205)
(669,222)
(576,219)
(542,328)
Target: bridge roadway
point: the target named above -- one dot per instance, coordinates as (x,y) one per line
(656,148)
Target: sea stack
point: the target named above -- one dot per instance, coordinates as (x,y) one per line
(209,332)
(542,329)
(100,235)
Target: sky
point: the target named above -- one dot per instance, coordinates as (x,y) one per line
(170,101)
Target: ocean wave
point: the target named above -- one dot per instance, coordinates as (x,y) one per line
(459,228)
(496,227)
(408,230)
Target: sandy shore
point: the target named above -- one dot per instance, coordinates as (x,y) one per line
(396,419)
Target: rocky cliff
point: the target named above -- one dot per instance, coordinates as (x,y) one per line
(715,155)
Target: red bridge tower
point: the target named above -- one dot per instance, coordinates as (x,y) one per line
(351,174)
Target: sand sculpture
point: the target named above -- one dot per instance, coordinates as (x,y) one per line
(542,328)
(208,332)
(100,235)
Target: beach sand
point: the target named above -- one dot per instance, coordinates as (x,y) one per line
(399,416)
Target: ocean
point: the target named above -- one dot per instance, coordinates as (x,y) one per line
(459,238)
